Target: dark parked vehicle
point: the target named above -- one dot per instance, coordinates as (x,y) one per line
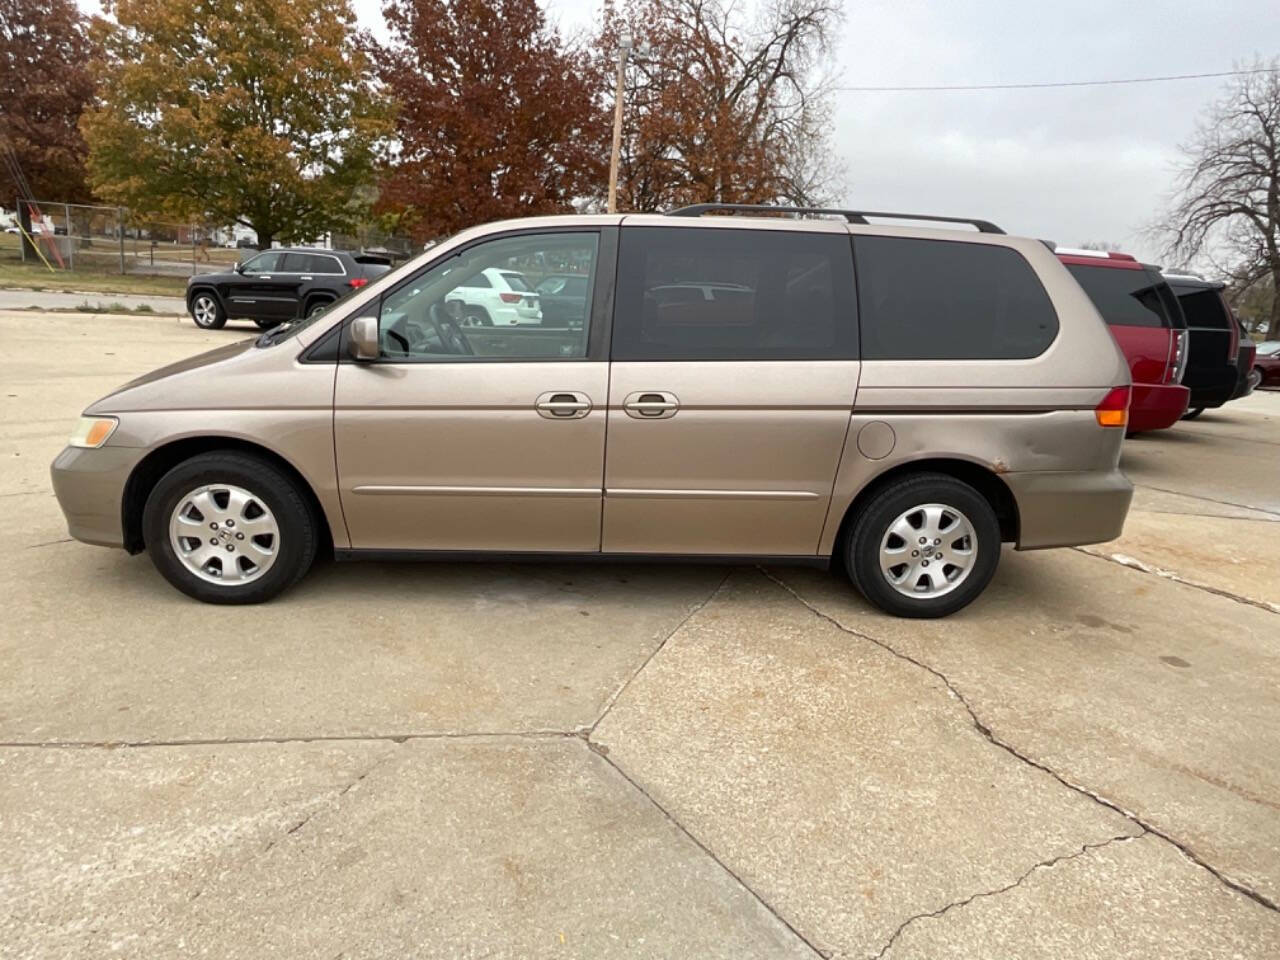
(564,299)
(1212,358)
(1247,374)
(1267,363)
(1143,316)
(279,285)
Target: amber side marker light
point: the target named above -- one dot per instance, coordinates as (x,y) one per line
(92,431)
(1113,411)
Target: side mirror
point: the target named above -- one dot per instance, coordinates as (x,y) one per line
(364,338)
(239,267)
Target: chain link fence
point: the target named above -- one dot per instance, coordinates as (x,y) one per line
(70,237)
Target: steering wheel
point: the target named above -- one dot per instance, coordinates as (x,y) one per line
(450,335)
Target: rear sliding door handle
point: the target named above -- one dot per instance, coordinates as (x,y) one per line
(651,405)
(562,405)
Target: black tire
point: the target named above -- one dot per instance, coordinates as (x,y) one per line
(298,527)
(871,528)
(476,317)
(199,306)
(1192,414)
(267,324)
(317,306)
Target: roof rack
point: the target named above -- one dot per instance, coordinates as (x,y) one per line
(853,216)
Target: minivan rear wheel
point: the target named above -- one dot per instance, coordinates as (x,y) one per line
(227,527)
(923,546)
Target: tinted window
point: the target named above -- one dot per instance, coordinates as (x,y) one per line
(733,294)
(944,300)
(440,315)
(264,262)
(320,263)
(515,281)
(1203,308)
(478,282)
(1124,297)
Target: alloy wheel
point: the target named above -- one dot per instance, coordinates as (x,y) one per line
(224,534)
(928,551)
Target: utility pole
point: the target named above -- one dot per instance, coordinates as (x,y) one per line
(625,43)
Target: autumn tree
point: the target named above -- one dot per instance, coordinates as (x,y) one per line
(1227,208)
(45,84)
(724,106)
(258,112)
(497,115)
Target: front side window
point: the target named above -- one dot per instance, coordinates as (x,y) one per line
(263,263)
(454,312)
(734,294)
(949,300)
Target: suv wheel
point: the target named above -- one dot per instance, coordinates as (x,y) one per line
(317,307)
(476,317)
(207,312)
(1192,414)
(924,546)
(227,527)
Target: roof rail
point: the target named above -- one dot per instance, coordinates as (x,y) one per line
(853,216)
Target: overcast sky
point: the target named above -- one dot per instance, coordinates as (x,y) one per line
(1073,165)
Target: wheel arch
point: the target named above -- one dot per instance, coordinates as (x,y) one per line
(209,288)
(986,481)
(315,297)
(158,462)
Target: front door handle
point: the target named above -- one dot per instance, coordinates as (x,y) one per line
(563,405)
(651,405)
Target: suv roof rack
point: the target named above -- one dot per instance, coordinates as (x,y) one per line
(853,216)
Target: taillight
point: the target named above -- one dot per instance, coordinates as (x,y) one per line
(355,283)
(510,297)
(1113,411)
(1177,365)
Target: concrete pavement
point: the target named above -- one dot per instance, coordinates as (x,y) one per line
(568,761)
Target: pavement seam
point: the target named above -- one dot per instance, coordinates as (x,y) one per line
(602,751)
(243,741)
(617,694)
(1133,563)
(988,734)
(1047,864)
(1225,503)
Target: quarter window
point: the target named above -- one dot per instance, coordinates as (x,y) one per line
(734,294)
(949,300)
(1203,309)
(1125,297)
(451,312)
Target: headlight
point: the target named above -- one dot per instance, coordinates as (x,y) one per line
(92,431)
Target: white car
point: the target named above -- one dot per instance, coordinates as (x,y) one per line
(495,297)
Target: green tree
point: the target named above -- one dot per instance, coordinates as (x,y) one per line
(258,112)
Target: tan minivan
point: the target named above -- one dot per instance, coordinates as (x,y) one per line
(780,388)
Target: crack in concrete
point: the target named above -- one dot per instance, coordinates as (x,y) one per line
(329,803)
(1047,864)
(603,753)
(697,608)
(1225,503)
(1133,563)
(239,741)
(989,735)
(48,543)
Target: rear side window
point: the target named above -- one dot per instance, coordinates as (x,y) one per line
(734,294)
(1204,308)
(945,300)
(1126,298)
(322,263)
(515,281)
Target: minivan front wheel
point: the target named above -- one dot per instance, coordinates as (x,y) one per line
(226,527)
(924,546)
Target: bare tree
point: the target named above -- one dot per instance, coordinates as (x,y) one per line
(725,106)
(1227,206)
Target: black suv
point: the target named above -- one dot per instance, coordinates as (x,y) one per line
(279,285)
(1213,355)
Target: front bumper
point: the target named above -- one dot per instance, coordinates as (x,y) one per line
(89,485)
(1060,509)
(1157,406)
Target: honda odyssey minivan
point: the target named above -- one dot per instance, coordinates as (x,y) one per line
(770,384)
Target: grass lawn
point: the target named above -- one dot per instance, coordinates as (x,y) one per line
(15,273)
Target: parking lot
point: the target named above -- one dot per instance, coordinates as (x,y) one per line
(481,760)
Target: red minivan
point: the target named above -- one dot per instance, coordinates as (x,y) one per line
(1144,317)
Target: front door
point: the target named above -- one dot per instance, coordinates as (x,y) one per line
(260,291)
(476,438)
(734,372)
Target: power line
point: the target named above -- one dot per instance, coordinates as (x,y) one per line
(1062,83)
